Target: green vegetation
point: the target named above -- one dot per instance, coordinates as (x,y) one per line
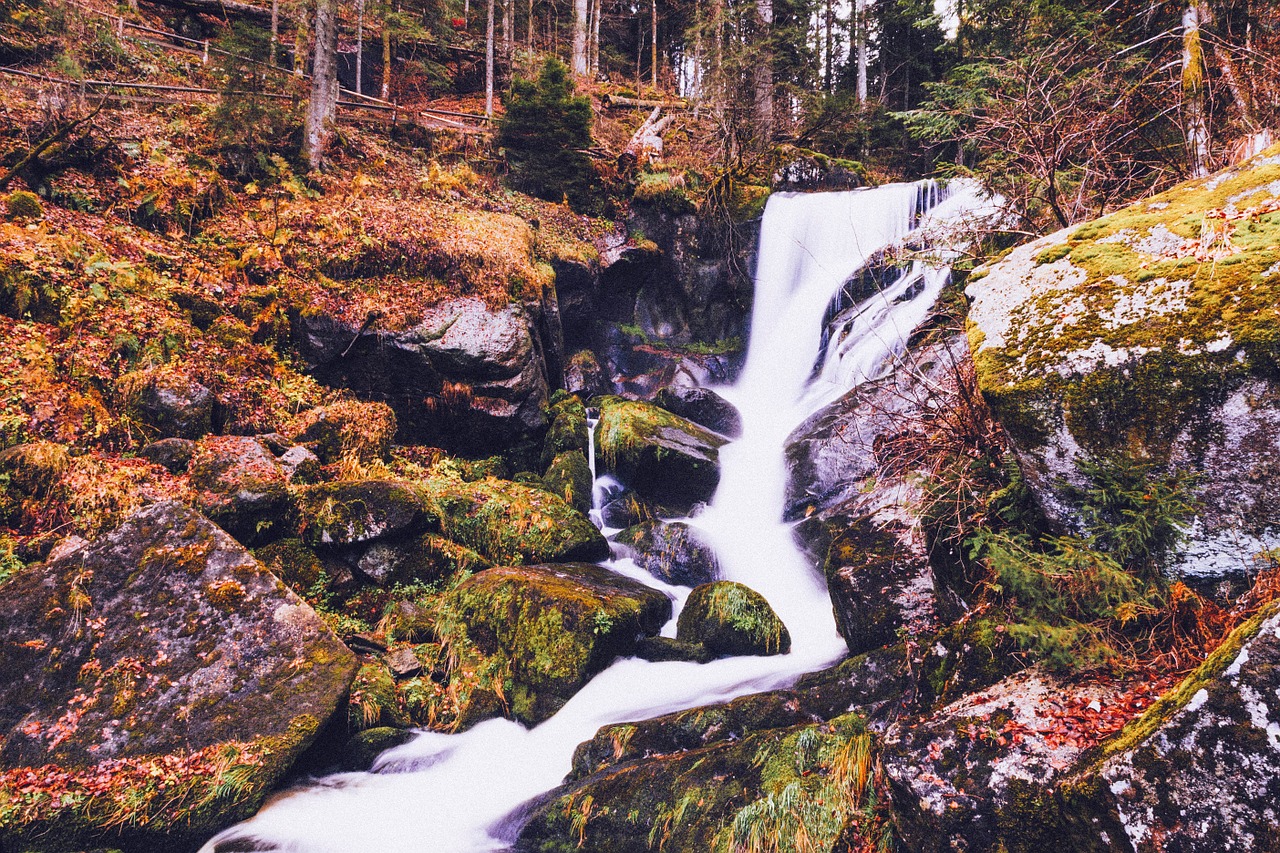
(24,205)
(544,131)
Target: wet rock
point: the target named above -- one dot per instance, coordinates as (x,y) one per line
(425,558)
(241,486)
(831,455)
(702,406)
(468,378)
(347,429)
(1125,338)
(367,643)
(293,561)
(363,749)
(413,622)
(173,454)
(628,509)
(569,476)
(662,456)
(404,663)
(300,465)
(584,376)
(510,522)
(352,511)
(731,619)
(174,406)
(671,551)
(157,651)
(553,626)
(659,649)
(375,701)
(577,294)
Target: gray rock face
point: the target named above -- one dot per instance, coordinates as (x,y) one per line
(467,377)
(671,551)
(702,406)
(241,486)
(176,407)
(163,638)
(832,453)
(584,376)
(173,454)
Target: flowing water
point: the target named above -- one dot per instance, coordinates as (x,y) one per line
(456,793)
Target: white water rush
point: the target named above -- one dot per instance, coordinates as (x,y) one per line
(458,792)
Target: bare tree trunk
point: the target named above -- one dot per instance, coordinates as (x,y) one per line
(593,45)
(763,72)
(386,61)
(1238,93)
(322,106)
(488,63)
(360,47)
(581,8)
(301,35)
(531,20)
(829,77)
(466,11)
(860,36)
(275,32)
(1193,107)
(508,29)
(653,41)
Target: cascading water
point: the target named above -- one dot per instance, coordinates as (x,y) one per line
(456,792)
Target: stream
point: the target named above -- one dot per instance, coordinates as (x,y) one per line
(461,792)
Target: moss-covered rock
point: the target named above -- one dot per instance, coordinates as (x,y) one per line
(1154,333)
(569,476)
(584,376)
(363,749)
(375,702)
(22,204)
(702,406)
(427,558)
(172,454)
(671,551)
(348,429)
(568,430)
(662,649)
(241,486)
(550,628)
(171,404)
(157,683)
(627,509)
(732,619)
(511,522)
(352,511)
(662,456)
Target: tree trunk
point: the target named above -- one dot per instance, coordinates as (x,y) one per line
(488,62)
(1193,107)
(829,78)
(508,30)
(275,32)
(653,41)
(581,8)
(593,44)
(323,104)
(531,20)
(360,47)
(300,39)
(860,36)
(386,60)
(221,8)
(763,73)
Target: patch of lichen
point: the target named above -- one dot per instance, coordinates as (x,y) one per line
(1143,298)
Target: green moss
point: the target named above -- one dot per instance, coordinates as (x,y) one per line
(568,430)
(569,476)
(24,205)
(730,618)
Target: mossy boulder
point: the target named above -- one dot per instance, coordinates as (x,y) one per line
(362,750)
(22,204)
(157,684)
(171,404)
(511,522)
(666,649)
(354,511)
(732,619)
(241,486)
(702,406)
(568,430)
(349,429)
(1153,332)
(584,376)
(375,702)
(627,509)
(569,476)
(551,627)
(674,552)
(663,456)
(172,454)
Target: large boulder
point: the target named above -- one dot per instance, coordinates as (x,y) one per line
(157,683)
(1151,333)
(240,485)
(172,405)
(568,430)
(729,618)
(662,456)
(550,628)
(702,406)
(467,377)
(569,476)
(671,551)
(353,511)
(584,376)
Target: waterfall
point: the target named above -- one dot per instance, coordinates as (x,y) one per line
(455,792)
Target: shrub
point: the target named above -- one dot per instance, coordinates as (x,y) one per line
(248,125)
(25,205)
(544,131)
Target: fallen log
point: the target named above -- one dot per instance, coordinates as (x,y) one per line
(220,8)
(643,103)
(646,142)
